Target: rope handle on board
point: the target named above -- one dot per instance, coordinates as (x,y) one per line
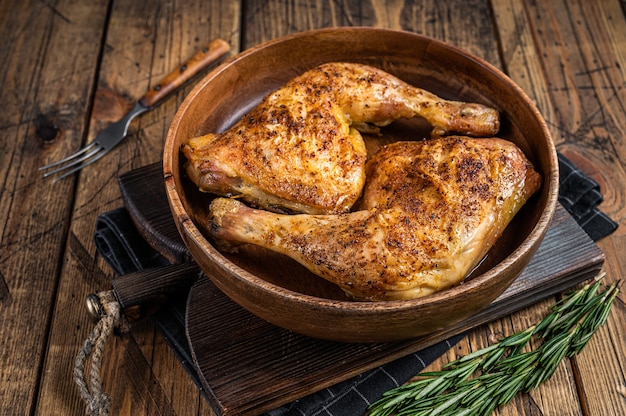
(105,308)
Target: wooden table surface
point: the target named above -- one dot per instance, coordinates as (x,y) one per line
(68,68)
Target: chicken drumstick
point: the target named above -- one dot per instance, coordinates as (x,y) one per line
(430,212)
(300,149)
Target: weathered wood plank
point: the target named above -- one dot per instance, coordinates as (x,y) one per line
(584,67)
(142,45)
(520,61)
(45,96)
(567,61)
(463,24)
(187,26)
(268,20)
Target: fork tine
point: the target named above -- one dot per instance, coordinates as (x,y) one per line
(70,157)
(116,132)
(106,140)
(89,157)
(95,155)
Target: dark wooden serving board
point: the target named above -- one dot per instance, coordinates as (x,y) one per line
(248,366)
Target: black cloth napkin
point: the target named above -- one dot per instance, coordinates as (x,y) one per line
(120,244)
(580,196)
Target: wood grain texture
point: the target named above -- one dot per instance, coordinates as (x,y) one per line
(69,68)
(142,45)
(44,98)
(153,223)
(529,32)
(548,54)
(176,29)
(585,81)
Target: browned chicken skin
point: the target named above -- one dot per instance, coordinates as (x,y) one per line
(430,212)
(300,149)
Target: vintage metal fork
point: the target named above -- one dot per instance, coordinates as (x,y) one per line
(116,132)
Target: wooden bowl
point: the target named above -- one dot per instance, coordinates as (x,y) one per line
(281,291)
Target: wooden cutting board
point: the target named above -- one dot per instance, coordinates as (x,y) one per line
(247,366)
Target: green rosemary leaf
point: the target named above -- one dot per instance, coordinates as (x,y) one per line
(542,327)
(475,392)
(492,359)
(519,338)
(449,403)
(503,369)
(509,390)
(594,320)
(486,407)
(436,386)
(592,291)
(471,356)
(398,398)
(465,412)
(534,380)
(555,347)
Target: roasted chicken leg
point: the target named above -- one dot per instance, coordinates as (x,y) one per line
(430,212)
(300,149)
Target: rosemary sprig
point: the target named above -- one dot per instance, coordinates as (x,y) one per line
(502,370)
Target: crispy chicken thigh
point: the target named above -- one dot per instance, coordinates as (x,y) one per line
(300,149)
(430,212)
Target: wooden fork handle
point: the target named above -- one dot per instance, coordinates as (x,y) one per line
(202,59)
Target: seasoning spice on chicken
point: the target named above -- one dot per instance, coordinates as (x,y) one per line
(430,211)
(414,219)
(300,149)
